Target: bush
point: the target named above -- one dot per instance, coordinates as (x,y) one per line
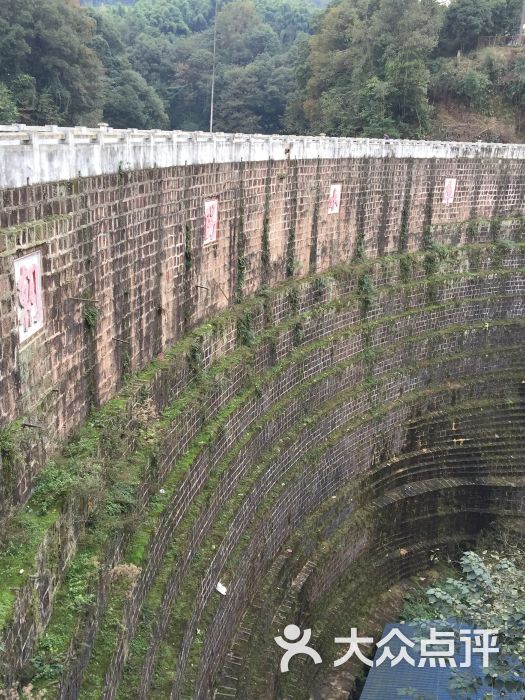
(464,82)
(476,89)
(8,110)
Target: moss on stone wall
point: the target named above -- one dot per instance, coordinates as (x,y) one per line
(107,474)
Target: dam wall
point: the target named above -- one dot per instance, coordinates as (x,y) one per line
(278,363)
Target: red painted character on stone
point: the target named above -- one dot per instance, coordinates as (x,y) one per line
(210,221)
(28,302)
(335,199)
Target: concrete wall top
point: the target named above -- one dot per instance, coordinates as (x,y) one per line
(32,155)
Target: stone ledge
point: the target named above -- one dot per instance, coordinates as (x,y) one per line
(30,155)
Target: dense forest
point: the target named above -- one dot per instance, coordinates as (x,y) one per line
(409,68)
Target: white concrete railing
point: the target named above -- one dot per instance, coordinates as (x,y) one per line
(31,155)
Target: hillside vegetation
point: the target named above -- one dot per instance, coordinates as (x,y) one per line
(480,96)
(409,68)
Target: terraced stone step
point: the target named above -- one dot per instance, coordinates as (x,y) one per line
(486,287)
(451,464)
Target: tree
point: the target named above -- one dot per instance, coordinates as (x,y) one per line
(506,16)
(465,22)
(188,85)
(336,54)
(165,17)
(49,41)
(253,98)
(8,111)
(242,35)
(489,594)
(129,101)
(374,113)
(133,103)
(407,81)
(170,44)
(514,85)
(288,18)
(153,57)
(405,29)
(24,90)
(295,120)
(375,50)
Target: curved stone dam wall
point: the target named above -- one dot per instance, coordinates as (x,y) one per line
(244,382)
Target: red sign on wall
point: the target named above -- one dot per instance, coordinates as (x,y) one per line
(334,202)
(28,279)
(211,221)
(450,190)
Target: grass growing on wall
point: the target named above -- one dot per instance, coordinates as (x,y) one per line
(201,442)
(90,315)
(11,439)
(290,245)
(134,667)
(309,462)
(241,247)
(196,578)
(237,562)
(69,473)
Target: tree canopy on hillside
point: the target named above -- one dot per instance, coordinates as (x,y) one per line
(48,70)
(467,20)
(345,67)
(368,67)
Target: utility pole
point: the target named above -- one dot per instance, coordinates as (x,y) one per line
(213,70)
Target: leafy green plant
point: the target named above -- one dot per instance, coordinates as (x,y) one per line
(52,484)
(502,248)
(366,292)
(10,445)
(359,253)
(195,355)
(44,669)
(188,258)
(406,268)
(298,333)
(403,231)
(434,255)
(490,594)
(91,314)
(241,273)
(10,456)
(319,287)
(265,252)
(495,229)
(241,253)
(245,333)
(126,363)
(293,299)
(471,231)
(121,499)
